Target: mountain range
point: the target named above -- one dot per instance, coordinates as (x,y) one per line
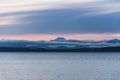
(59,43)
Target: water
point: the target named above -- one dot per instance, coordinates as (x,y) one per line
(59,66)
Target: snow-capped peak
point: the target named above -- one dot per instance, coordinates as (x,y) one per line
(59,39)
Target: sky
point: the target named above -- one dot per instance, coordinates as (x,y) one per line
(48,19)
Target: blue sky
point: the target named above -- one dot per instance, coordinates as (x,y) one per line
(47,19)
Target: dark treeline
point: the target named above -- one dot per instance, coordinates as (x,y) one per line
(105,49)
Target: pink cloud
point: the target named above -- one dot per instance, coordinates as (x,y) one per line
(73,36)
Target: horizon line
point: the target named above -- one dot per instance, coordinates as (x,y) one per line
(61,37)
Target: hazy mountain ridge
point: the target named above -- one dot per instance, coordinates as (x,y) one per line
(60,43)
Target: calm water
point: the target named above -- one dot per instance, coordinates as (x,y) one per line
(59,66)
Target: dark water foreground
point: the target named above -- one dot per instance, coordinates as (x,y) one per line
(59,66)
(103,49)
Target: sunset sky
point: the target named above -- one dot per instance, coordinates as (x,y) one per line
(48,19)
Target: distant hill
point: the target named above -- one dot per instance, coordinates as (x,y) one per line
(105,49)
(60,44)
